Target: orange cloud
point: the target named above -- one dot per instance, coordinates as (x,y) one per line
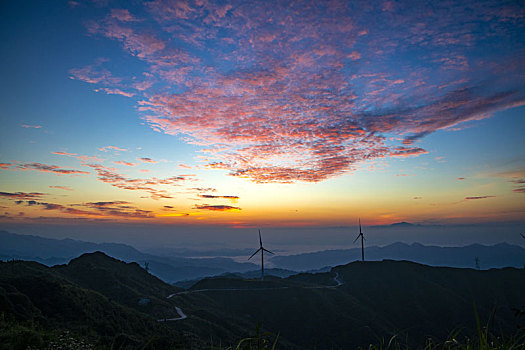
(478,197)
(217,207)
(67,188)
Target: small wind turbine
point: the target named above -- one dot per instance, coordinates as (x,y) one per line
(262,250)
(362,243)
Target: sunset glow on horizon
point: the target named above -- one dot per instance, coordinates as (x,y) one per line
(249,114)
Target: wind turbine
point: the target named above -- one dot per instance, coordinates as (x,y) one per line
(262,250)
(362,243)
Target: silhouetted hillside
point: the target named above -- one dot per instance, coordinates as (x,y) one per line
(42,305)
(358,303)
(104,301)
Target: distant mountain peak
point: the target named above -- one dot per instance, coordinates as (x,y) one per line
(402,224)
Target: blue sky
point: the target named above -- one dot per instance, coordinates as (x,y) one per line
(221,114)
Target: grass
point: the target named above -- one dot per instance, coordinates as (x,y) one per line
(260,341)
(485,339)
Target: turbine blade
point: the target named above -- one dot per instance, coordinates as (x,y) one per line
(260,239)
(360,225)
(522,235)
(266,250)
(257,251)
(355,240)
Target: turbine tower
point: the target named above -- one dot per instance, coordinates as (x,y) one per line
(262,250)
(362,243)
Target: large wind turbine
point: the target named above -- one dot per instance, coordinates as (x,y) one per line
(262,250)
(362,243)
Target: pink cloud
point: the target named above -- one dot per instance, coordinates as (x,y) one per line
(147,160)
(94,74)
(83,158)
(31,126)
(123,15)
(151,185)
(121,162)
(310,96)
(50,169)
(115,91)
(108,148)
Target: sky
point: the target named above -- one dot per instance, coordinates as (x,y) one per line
(193,123)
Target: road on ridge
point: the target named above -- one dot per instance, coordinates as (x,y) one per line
(183,316)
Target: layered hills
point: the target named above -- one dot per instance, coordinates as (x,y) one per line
(105,302)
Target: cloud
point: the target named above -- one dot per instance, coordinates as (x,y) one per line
(22,195)
(5,166)
(123,15)
(121,162)
(31,126)
(516,177)
(95,74)
(115,91)
(151,185)
(214,197)
(204,189)
(66,188)
(147,160)
(478,197)
(83,158)
(217,207)
(118,208)
(50,169)
(520,185)
(407,152)
(306,91)
(233,199)
(94,209)
(114,148)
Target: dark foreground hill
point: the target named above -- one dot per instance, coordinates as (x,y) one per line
(104,303)
(357,304)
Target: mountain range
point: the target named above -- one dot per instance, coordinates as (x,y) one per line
(98,302)
(184,270)
(495,256)
(170,269)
